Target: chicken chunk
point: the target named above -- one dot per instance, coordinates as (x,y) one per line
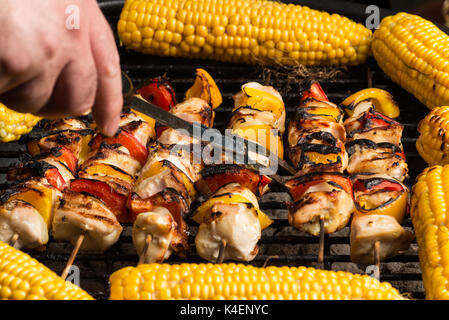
(78,214)
(20,217)
(367,229)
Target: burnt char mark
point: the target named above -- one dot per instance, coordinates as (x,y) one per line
(370,183)
(132,126)
(28,170)
(369,144)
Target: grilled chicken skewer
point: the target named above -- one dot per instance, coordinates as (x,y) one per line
(230,221)
(164,191)
(27,208)
(377,163)
(321,192)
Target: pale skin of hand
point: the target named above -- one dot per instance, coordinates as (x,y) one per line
(53,71)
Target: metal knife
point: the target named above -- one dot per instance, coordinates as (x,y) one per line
(238,144)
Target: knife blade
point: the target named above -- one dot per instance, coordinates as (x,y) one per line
(229,143)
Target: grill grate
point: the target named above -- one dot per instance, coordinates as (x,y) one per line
(291,247)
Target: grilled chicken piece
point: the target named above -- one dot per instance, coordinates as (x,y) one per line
(70,139)
(367,156)
(367,229)
(62,168)
(245,116)
(37,170)
(68,124)
(127,117)
(367,124)
(171,136)
(297,129)
(78,214)
(181,158)
(20,217)
(169,176)
(141,130)
(116,156)
(316,196)
(160,226)
(317,152)
(235,222)
(194,110)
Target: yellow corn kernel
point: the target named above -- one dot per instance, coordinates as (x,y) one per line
(428,211)
(259,283)
(269,24)
(433,142)
(14,124)
(412,52)
(24,278)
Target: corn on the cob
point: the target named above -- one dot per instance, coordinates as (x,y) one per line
(413,53)
(237,281)
(429,204)
(433,141)
(243,31)
(14,124)
(24,278)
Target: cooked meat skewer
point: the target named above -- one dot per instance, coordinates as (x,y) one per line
(321,193)
(232,215)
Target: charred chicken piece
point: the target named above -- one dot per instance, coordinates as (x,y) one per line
(316,196)
(368,156)
(78,214)
(368,124)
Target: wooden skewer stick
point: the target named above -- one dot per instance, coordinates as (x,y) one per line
(221,252)
(14,239)
(377,258)
(321,246)
(268,259)
(143,255)
(78,244)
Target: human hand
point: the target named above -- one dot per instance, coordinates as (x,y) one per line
(53,71)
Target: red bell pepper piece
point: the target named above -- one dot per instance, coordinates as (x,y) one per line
(377,184)
(55,179)
(316,92)
(67,157)
(298,190)
(113,200)
(160,92)
(137,150)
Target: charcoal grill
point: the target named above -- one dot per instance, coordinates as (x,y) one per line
(281,243)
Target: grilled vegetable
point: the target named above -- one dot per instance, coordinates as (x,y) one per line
(205,88)
(159,92)
(14,124)
(135,148)
(382,100)
(428,211)
(412,52)
(113,200)
(433,142)
(24,278)
(243,31)
(237,281)
(379,194)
